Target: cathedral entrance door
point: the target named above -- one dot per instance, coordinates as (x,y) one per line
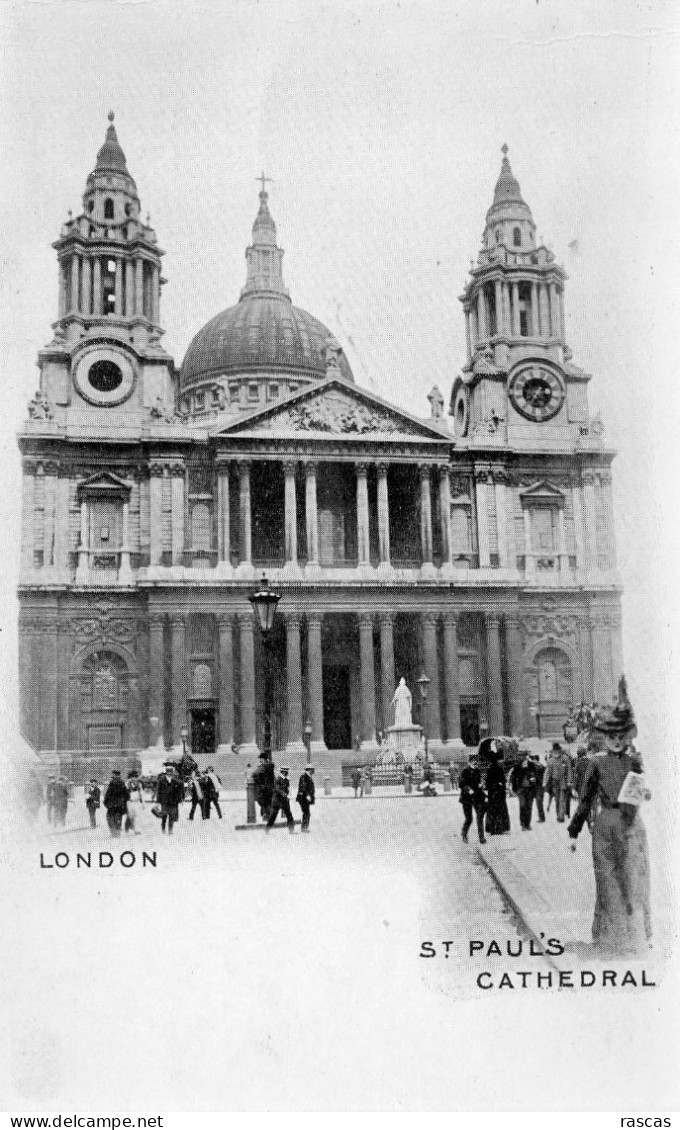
(337,717)
(469,723)
(202,730)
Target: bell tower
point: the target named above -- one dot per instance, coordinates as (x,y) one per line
(518,384)
(106,350)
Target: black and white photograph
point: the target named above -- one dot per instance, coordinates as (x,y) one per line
(339,677)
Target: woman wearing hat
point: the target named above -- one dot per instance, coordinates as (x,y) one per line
(622,918)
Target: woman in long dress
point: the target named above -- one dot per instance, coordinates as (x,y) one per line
(497,815)
(135,802)
(622,918)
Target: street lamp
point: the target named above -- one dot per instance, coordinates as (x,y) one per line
(308,739)
(184,734)
(423,684)
(264,603)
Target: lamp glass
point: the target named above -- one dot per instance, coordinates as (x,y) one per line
(264,603)
(423,683)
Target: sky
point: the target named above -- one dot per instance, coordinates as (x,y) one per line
(381,125)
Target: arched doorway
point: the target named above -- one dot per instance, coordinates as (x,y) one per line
(550,694)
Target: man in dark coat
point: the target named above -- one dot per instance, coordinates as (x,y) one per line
(264,784)
(540,790)
(523,783)
(197,793)
(280,802)
(559,779)
(93,799)
(473,798)
(211,791)
(115,802)
(169,795)
(306,794)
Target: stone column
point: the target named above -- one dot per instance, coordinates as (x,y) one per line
(97,287)
(500,478)
(311,515)
(290,510)
(425,514)
(157,677)
(603,682)
(544,309)
(48,683)
(223,514)
(586,650)
(431,658)
(51,471)
(315,682)
(383,515)
(616,648)
(61,307)
(451,678)
(248,744)
(246,545)
(179,677)
(118,288)
(590,519)
(483,539)
(363,542)
(579,523)
(481,314)
(494,680)
(156,472)
(155,294)
(129,288)
(515,309)
(498,295)
(445,512)
(474,332)
(295,744)
(82,571)
(367,677)
(124,572)
(468,339)
(560,305)
(139,287)
(608,494)
(87,287)
(177,475)
(505,291)
(387,679)
(529,563)
(29,468)
(562,543)
(75,282)
(534,310)
(514,664)
(225,622)
(554,312)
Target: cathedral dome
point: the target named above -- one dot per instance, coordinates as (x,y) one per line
(264,332)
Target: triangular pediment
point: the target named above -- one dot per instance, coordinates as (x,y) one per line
(542,492)
(335,408)
(104,482)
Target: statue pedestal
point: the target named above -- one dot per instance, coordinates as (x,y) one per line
(405,740)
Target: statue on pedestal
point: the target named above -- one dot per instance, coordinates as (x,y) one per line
(402,705)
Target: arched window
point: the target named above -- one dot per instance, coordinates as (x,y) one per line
(90,207)
(499,234)
(108,208)
(516,237)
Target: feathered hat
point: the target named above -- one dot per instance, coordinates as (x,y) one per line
(616,719)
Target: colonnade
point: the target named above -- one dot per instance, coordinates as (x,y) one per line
(82,290)
(545,310)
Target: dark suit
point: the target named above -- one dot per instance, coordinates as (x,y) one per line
(169,794)
(280,803)
(93,801)
(305,798)
(115,803)
(523,782)
(473,799)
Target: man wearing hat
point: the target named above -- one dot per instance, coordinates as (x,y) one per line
(305,794)
(115,802)
(169,795)
(280,802)
(473,798)
(523,784)
(93,797)
(558,780)
(622,922)
(264,779)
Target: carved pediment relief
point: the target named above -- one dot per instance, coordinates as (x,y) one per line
(542,492)
(104,483)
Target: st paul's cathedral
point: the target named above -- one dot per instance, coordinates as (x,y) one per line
(473,543)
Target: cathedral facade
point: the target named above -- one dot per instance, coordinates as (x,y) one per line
(476,550)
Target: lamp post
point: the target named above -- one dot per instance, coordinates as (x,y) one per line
(184,734)
(308,739)
(264,603)
(423,684)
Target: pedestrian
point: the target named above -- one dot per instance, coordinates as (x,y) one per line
(622,923)
(523,784)
(539,768)
(428,785)
(356,781)
(473,798)
(264,777)
(366,781)
(135,802)
(60,801)
(280,802)
(306,794)
(50,797)
(169,795)
(93,799)
(115,802)
(453,774)
(497,815)
(197,794)
(559,779)
(579,772)
(32,795)
(211,791)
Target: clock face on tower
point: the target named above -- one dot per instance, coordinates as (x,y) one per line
(536,393)
(104,376)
